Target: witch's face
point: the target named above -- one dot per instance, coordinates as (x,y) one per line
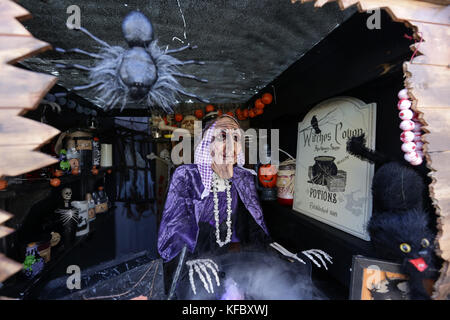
(226,142)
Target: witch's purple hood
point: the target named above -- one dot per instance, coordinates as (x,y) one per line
(184,208)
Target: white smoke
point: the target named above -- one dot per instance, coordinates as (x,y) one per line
(258,276)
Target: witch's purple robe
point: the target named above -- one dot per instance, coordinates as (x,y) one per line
(184,209)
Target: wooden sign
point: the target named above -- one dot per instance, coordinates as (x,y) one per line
(331,185)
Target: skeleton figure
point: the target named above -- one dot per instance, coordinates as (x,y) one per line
(66,194)
(143,73)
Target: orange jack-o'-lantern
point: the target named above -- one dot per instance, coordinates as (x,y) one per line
(209,108)
(199,113)
(259,104)
(94,171)
(259,111)
(230,113)
(55,182)
(251,113)
(178,117)
(266,98)
(219,112)
(267,175)
(245,113)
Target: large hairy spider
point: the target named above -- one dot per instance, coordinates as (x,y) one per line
(143,72)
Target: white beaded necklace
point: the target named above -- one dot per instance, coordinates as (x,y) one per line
(217,181)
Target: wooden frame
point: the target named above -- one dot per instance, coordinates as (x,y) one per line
(427,79)
(368,273)
(20,91)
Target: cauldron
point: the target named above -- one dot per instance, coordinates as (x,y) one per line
(323,167)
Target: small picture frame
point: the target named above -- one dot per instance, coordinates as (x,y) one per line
(374,279)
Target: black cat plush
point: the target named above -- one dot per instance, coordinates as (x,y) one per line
(400,226)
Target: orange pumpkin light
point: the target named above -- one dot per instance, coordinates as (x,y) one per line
(267,175)
(259,111)
(219,112)
(267,98)
(245,113)
(198,113)
(209,108)
(3,184)
(230,113)
(94,171)
(55,182)
(251,113)
(239,114)
(109,171)
(259,104)
(58,173)
(178,117)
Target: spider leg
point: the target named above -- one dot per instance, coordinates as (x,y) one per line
(87,86)
(193,96)
(76,50)
(93,37)
(181,49)
(72,66)
(112,103)
(183,63)
(189,76)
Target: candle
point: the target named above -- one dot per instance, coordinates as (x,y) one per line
(106,155)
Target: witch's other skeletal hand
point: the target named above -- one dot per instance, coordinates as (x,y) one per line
(202,267)
(322,256)
(310,254)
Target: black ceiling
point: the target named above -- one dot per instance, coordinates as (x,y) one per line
(245,43)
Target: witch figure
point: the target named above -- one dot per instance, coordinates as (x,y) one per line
(212,236)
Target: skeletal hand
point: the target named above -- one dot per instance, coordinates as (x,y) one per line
(285,252)
(310,254)
(201,267)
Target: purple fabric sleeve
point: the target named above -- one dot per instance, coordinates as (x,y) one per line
(178,225)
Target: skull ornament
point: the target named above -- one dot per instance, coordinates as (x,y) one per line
(188,123)
(165,154)
(66,194)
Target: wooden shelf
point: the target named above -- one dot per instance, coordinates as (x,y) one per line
(18,189)
(20,287)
